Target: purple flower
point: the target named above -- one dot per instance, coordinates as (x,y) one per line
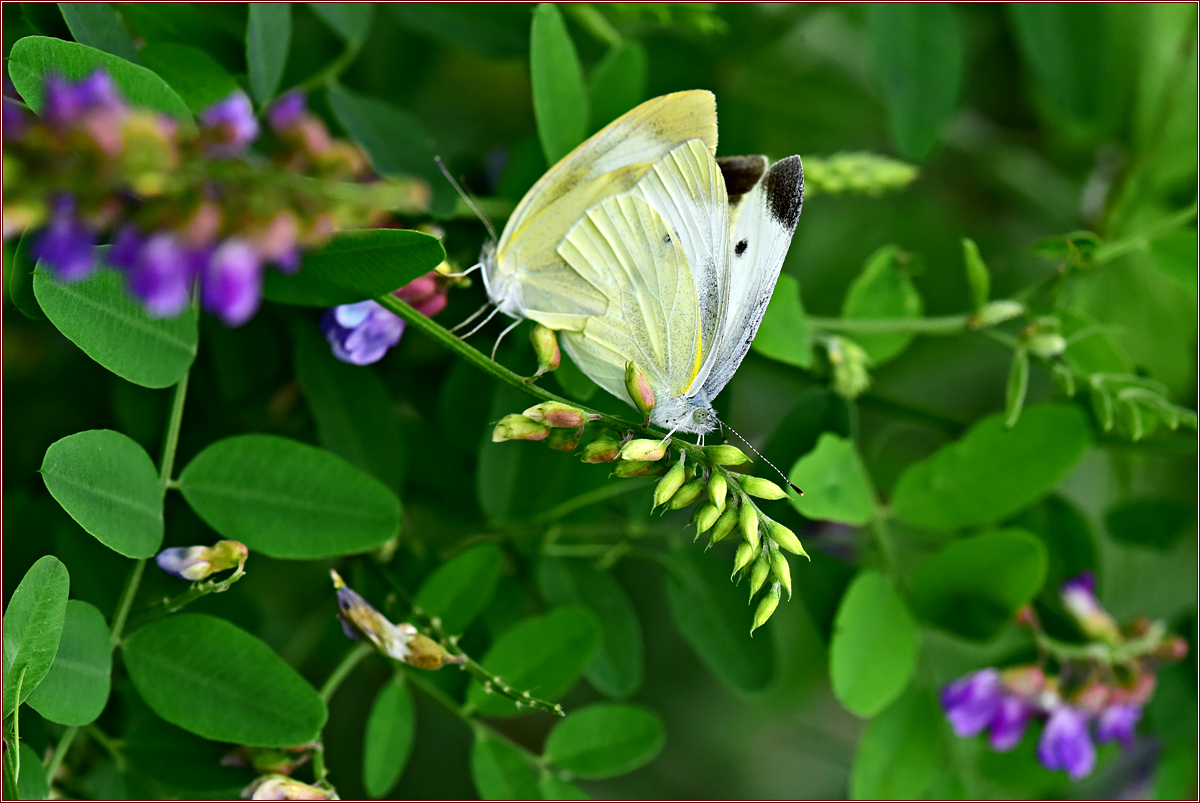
(14,121)
(66,244)
(1066,745)
(231,282)
(972,702)
(198,562)
(1079,598)
(1117,722)
(361,333)
(161,275)
(287,111)
(67,101)
(1009,723)
(233,121)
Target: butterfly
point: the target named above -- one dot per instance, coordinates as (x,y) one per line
(523,273)
(687,260)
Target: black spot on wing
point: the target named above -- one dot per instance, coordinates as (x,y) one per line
(784,187)
(740,248)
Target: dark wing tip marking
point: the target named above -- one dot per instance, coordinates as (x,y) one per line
(741,173)
(785,191)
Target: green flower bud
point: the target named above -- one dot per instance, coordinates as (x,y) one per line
(687,494)
(647,449)
(849,363)
(717,489)
(669,484)
(545,346)
(782,571)
(557,414)
(758,574)
(996,312)
(741,559)
(706,516)
(1047,344)
(763,489)
(564,440)
(724,526)
(637,385)
(725,455)
(519,428)
(636,468)
(767,607)
(785,538)
(748,519)
(601,450)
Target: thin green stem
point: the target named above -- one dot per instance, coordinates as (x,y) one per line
(343,669)
(583,500)
(332,70)
(944,325)
(883,537)
(167,464)
(109,745)
(127,595)
(60,752)
(1140,241)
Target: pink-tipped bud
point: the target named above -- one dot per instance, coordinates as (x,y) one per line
(516,427)
(545,346)
(1025,681)
(557,414)
(637,385)
(564,440)
(601,450)
(644,449)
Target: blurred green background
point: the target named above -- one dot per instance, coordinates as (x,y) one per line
(1026,122)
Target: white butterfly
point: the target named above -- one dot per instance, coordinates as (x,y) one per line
(523,273)
(687,267)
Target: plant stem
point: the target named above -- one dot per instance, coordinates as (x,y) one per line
(944,325)
(167,464)
(127,595)
(108,743)
(342,670)
(331,70)
(60,751)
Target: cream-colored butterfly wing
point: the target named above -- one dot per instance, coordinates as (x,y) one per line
(655,253)
(525,276)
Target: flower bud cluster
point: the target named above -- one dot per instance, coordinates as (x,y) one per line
(856,173)
(183,208)
(1100,687)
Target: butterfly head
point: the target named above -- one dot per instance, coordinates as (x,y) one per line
(685,414)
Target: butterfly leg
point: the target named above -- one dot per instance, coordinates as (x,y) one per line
(511,326)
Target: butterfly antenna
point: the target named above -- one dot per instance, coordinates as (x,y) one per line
(481,324)
(760,454)
(478,312)
(467,198)
(511,326)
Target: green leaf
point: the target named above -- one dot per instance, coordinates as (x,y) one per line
(98,25)
(198,78)
(389,737)
(978,278)
(917,51)
(616,670)
(784,334)
(75,690)
(180,759)
(815,411)
(287,499)
(495,30)
(835,482)
(108,484)
(901,752)
(1155,522)
(554,788)
(874,648)
(268,38)
(1066,535)
(395,141)
(1175,775)
(216,680)
(357,265)
(110,327)
(1072,53)
(32,784)
(355,416)
(34,56)
(33,626)
(46,19)
(351,21)
(1018,384)
(1175,255)
(712,615)
(501,771)
(18,278)
(991,472)
(543,655)
(883,290)
(974,587)
(605,740)
(462,587)
(560,101)
(618,83)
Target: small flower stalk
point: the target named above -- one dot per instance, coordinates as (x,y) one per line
(402,642)
(1094,692)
